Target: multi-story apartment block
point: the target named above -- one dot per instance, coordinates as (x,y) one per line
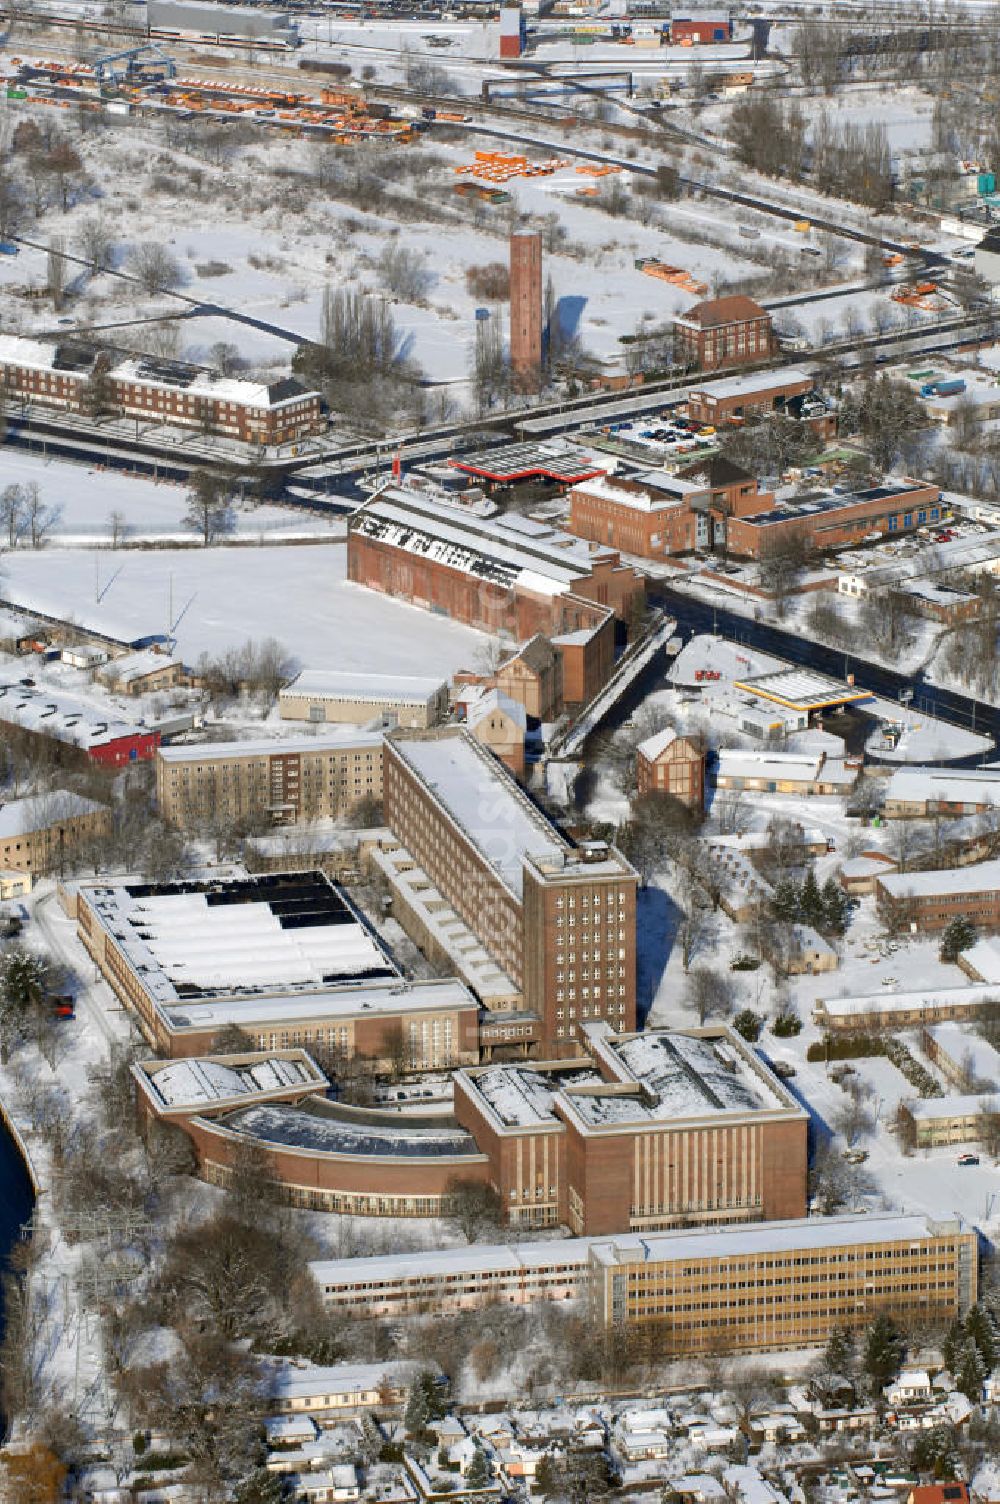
(300,778)
(80,377)
(42,833)
(558,919)
(779,1285)
(730,331)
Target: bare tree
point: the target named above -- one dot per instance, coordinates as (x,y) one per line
(95,243)
(40,519)
(154,267)
(118,527)
(708,992)
(12,512)
(209,512)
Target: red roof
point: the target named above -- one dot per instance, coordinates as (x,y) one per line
(940,1493)
(731,310)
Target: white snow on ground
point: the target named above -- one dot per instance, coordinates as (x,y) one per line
(924,739)
(153,510)
(221,597)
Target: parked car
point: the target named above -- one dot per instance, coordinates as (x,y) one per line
(968,1159)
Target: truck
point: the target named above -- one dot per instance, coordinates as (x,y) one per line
(7,248)
(949,388)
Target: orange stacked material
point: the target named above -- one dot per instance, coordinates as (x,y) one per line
(675,275)
(925,295)
(598,169)
(499,167)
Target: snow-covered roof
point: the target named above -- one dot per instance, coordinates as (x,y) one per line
(758,381)
(967,1052)
(655,491)
(492,701)
(324,741)
(949,785)
(651,748)
(308,1381)
(67,717)
(982,877)
(19,817)
(201,1082)
(802,689)
(927,1001)
(189,941)
(297,1128)
(334,684)
(339,1002)
(983,958)
(132,667)
(577,1254)
(941,1109)
(787,767)
(483,801)
(499,549)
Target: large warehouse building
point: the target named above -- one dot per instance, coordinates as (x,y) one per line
(284,957)
(780,1285)
(558,919)
(505,574)
(655,1130)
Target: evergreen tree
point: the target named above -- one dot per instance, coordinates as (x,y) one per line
(749,1024)
(811,900)
(417,1409)
(547,1476)
(836,907)
(259,1487)
(840,1352)
(785,905)
(884,1351)
(979,1326)
(479,1472)
(952,1345)
(958,936)
(970,1371)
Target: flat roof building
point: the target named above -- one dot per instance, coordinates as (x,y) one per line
(73,729)
(44,832)
(233,784)
(321,695)
(931,900)
(559,920)
(736,1289)
(831,520)
(648,1131)
(942,791)
(285,957)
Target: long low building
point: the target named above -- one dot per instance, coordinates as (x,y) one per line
(81,377)
(71,729)
(778,1285)
(953,1119)
(43,833)
(320,695)
(931,900)
(941,791)
(307,777)
(831,520)
(905,1010)
(784,772)
(968,1062)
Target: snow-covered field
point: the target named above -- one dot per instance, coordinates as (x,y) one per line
(83,499)
(222,596)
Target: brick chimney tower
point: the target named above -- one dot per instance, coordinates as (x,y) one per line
(526,309)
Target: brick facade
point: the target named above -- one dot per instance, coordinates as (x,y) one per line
(724,332)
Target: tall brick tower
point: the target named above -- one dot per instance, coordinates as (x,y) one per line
(526,309)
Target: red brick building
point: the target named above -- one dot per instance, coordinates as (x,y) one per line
(734,399)
(526,309)
(559,920)
(658,515)
(83,378)
(703,27)
(931,900)
(651,1131)
(670,764)
(502,574)
(828,521)
(71,730)
(730,331)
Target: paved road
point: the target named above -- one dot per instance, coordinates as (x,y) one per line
(695,616)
